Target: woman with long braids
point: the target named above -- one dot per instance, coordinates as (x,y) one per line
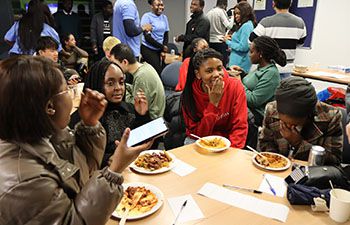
(24,34)
(260,85)
(108,78)
(212,103)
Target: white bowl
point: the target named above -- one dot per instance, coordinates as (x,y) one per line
(300,68)
(208,138)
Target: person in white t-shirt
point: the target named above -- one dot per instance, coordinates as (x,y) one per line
(219,23)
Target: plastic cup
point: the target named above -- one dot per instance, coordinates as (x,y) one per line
(340,205)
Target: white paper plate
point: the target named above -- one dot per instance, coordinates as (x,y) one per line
(227,142)
(255,162)
(150,187)
(161,170)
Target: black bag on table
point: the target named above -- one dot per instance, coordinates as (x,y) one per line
(319,176)
(298,194)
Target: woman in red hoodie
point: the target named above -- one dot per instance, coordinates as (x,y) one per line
(213,103)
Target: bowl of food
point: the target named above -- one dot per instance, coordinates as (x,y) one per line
(154,162)
(271,161)
(300,68)
(213,143)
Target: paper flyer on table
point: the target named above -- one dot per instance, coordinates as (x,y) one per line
(182,169)
(190,212)
(277,183)
(262,207)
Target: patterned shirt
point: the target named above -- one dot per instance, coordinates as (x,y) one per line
(325,130)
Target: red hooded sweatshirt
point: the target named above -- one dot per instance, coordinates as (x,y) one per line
(229,119)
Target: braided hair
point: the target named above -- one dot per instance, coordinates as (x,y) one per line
(96,77)
(270,50)
(190,49)
(187,100)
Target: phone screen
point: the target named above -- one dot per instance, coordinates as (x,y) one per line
(147,131)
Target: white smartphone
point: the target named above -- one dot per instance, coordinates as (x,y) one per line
(147,131)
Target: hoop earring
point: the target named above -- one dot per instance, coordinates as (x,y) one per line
(51,111)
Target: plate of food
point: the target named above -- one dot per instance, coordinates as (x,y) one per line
(214,143)
(150,201)
(273,161)
(154,162)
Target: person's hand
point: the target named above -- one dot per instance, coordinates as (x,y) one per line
(124,155)
(215,93)
(92,107)
(95,49)
(347,128)
(291,134)
(179,38)
(165,49)
(147,27)
(162,56)
(74,79)
(237,68)
(141,103)
(226,37)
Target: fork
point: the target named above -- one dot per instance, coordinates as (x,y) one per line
(259,153)
(202,139)
(135,199)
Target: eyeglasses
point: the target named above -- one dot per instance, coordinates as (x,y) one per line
(72,90)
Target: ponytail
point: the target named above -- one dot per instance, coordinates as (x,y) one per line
(280,58)
(270,50)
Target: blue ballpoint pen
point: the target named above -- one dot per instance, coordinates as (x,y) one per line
(271,188)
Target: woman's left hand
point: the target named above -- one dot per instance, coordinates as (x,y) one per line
(92,107)
(141,103)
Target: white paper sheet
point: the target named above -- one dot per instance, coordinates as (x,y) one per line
(305,3)
(190,212)
(327,74)
(249,203)
(182,169)
(278,184)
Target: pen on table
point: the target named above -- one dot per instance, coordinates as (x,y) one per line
(178,214)
(271,188)
(242,188)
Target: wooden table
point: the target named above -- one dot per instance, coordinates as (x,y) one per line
(231,167)
(308,74)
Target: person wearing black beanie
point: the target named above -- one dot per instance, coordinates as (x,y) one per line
(297,120)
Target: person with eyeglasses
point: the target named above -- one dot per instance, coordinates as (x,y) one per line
(50,173)
(108,78)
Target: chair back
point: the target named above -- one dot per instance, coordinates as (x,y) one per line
(173,46)
(170,75)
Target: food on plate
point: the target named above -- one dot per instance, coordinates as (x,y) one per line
(154,161)
(215,143)
(271,160)
(147,201)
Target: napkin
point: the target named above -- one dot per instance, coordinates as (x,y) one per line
(190,212)
(181,168)
(278,184)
